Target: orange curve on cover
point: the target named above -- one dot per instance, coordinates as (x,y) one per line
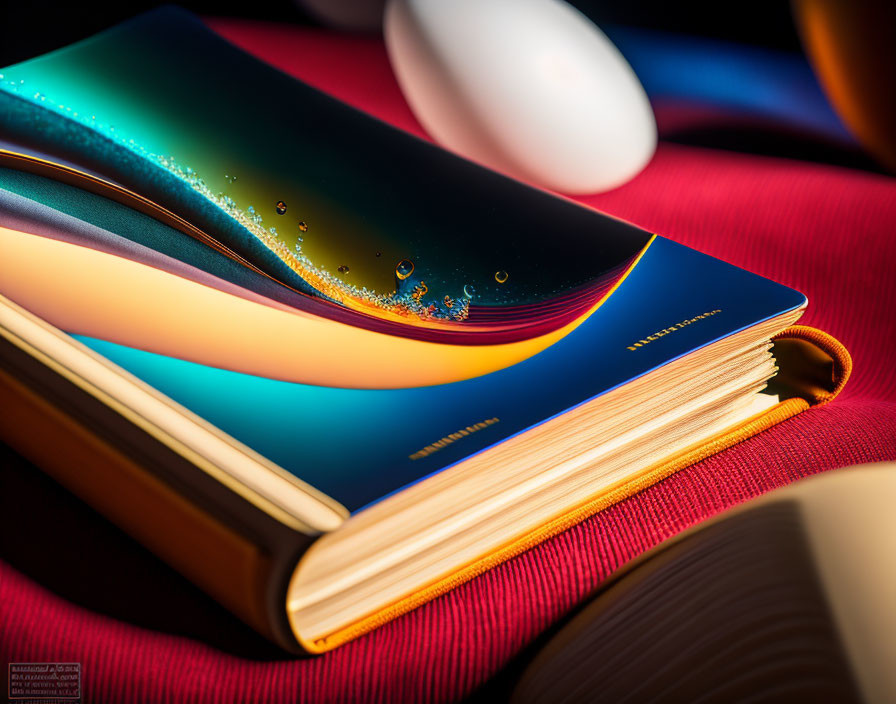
(92,293)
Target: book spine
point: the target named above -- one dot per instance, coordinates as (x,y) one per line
(229,548)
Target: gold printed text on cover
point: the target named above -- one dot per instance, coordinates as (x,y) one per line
(665,331)
(448,439)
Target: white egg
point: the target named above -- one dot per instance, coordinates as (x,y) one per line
(531,88)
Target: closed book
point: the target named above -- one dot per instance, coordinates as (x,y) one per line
(329,371)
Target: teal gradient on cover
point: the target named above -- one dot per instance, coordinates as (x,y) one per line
(167,108)
(355,444)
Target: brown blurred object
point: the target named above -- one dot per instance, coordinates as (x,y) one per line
(788,598)
(852,46)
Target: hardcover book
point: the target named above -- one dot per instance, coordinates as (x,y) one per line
(328,370)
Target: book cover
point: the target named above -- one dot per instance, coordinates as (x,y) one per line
(345,217)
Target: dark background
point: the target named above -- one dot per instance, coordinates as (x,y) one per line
(32,27)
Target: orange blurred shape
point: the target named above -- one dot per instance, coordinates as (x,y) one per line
(852,46)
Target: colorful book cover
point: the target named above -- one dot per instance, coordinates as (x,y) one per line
(342,217)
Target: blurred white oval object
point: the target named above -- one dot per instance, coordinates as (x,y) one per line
(531,88)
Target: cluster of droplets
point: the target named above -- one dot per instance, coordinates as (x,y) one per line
(407,304)
(450,308)
(420,290)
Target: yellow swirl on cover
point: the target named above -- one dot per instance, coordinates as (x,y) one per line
(88,292)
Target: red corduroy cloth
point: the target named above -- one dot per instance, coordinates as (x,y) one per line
(826,230)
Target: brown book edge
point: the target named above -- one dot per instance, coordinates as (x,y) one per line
(242,557)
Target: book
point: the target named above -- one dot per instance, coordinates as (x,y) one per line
(771,601)
(328,370)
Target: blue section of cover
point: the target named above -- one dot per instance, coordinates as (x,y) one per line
(355,445)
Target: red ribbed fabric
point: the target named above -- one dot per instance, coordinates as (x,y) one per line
(823,229)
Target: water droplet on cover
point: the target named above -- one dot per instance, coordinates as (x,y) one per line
(343,269)
(469,291)
(303,226)
(501,276)
(281,207)
(229,178)
(404,269)
(379,254)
